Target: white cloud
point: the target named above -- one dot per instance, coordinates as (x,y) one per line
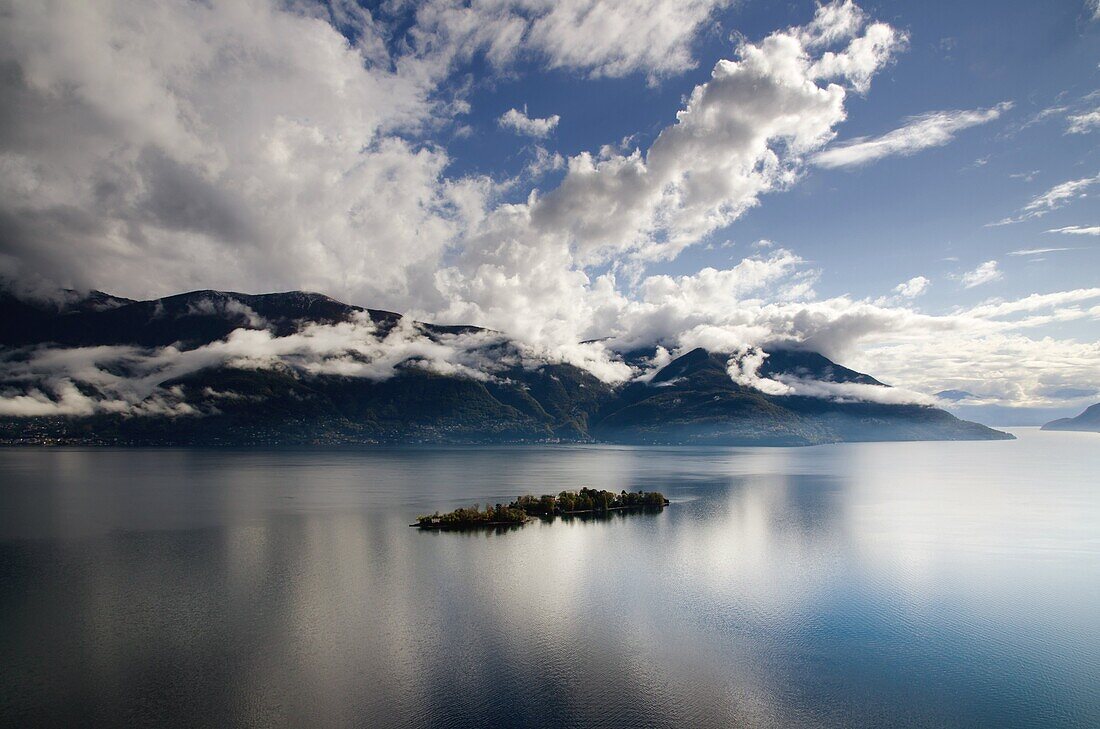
(525,267)
(1056,197)
(1059,194)
(1077,230)
(1038,251)
(913,287)
(618,37)
(127,378)
(602,38)
(982,349)
(983,274)
(520,123)
(933,129)
(739,136)
(246,146)
(543,161)
(164,146)
(743,368)
(832,23)
(1084,122)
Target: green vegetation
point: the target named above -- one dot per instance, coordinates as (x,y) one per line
(547,506)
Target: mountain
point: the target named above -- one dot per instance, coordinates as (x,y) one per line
(223,368)
(1088,421)
(189,320)
(693,400)
(955,395)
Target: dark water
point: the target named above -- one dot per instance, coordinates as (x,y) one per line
(921,584)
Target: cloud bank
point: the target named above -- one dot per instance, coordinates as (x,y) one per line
(166,146)
(984,349)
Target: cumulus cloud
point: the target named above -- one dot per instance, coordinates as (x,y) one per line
(520,123)
(619,37)
(601,38)
(743,133)
(249,145)
(983,274)
(913,288)
(165,146)
(933,129)
(1084,122)
(1056,197)
(236,145)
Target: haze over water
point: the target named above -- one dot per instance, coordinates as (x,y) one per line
(910,584)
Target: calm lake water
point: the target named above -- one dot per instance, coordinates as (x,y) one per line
(914,584)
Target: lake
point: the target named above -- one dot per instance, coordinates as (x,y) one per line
(879,584)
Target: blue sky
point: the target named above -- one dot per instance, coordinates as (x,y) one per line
(864,179)
(874,226)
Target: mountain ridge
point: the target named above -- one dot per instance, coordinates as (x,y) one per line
(1087,421)
(692,399)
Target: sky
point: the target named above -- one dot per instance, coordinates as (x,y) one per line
(908,187)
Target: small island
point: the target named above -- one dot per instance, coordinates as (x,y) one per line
(547,506)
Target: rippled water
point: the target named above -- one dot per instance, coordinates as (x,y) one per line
(915,584)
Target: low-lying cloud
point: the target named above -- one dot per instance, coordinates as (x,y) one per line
(982,349)
(50,380)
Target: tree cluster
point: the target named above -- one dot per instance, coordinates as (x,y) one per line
(546,506)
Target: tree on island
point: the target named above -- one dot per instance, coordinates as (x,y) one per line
(546,506)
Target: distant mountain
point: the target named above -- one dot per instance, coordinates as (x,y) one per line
(191,319)
(690,400)
(1088,420)
(955,395)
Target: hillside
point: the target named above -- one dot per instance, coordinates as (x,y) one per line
(397,382)
(1089,420)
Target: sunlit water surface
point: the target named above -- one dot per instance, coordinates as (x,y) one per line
(915,584)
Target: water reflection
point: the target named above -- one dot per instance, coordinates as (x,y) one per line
(927,584)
